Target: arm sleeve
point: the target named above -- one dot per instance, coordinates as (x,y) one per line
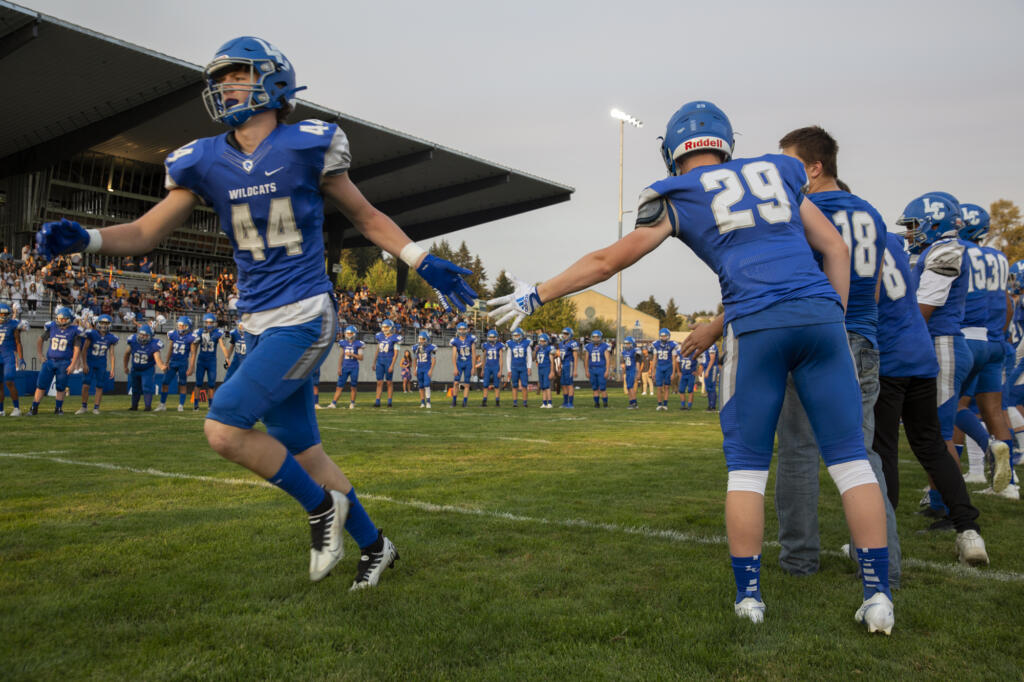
(934,288)
(652,209)
(508,359)
(338,157)
(529,358)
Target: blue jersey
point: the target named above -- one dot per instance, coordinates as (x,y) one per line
(905,347)
(945,260)
(543,358)
(386,346)
(349,351)
(99,345)
(237,339)
(7,330)
(142,353)
(568,350)
(687,364)
(61,341)
(629,358)
(1016,331)
(269,204)
(986,291)
(708,357)
(492,353)
(208,344)
(181,346)
(663,351)
(742,218)
(463,348)
(519,353)
(863,230)
(596,355)
(424,355)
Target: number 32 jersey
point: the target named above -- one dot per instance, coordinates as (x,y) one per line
(269,204)
(742,218)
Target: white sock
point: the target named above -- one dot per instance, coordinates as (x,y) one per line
(975,457)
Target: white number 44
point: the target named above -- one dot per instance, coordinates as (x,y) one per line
(281,229)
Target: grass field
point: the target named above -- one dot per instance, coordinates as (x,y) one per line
(535,544)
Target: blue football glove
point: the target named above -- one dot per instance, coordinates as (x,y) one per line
(446,279)
(523,301)
(65,236)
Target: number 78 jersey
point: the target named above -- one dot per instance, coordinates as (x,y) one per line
(742,218)
(269,204)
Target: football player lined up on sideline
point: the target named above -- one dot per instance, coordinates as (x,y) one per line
(209,338)
(596,366)
(384,361)
(267,182)
(233,355)
(181,361)
(348,367)
(665,366)
(98,348)
(63,344)
(863,231)
(746,216)
(141,358)
(687,366)
(518,364)
(426,358)
(12,355)
(628,365)
(463,360)
(490,357)
(545,369)
(568,350)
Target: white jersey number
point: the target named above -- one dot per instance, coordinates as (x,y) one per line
(762,180)
(281,229)
(859,232)
(892,279)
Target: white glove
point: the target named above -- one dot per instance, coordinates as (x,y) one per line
(523,301)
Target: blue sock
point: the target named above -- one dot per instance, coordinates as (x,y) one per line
(358,523)
(1,406)
(294,480)
(597,401)
(747,571)
(969,423)
(14,401)
(148,400)
(959,451)
(497,402)
(935,501)
(572,399)
(389,402)
(34,404)
(874,569)
(565,398)
(163,397)
(604,400)
(84,405)
(59,405)
(464,401)
(181,399)
(485,401)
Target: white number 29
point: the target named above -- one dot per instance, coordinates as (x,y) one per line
(281,229)
(763,180)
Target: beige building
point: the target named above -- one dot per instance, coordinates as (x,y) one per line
(590,304)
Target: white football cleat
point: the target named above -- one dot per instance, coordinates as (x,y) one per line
(326,548)
(317,407)
(1010,492)
(81,410)
(877,614)
(160,408)
(16,412)
(372,564)
(332,405)
(181,408)
(428,406)
(95,410)
(1001,473)
(751,609)
(352,406)
(975,477)
(971,548)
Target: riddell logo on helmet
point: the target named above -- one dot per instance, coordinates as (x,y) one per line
(703,143)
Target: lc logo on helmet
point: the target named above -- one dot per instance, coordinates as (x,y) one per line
(934,208)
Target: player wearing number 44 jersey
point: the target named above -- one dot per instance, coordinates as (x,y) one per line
(749,221)
(267,181)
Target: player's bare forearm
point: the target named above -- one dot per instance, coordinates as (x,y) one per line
(703,335)
(144,234)
(371,223)
(926,310)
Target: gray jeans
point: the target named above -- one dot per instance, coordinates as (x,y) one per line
(796,478)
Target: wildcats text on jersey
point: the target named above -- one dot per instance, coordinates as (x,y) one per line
(252,191)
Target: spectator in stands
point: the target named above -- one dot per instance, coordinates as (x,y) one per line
(145,265)
(26,252)
(6,255)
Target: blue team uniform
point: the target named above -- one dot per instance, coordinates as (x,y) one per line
(177,365)
(271,209)
(8,350)
(350,362)
(687,365)
(904,344)
(663,351)
(237,340)
(984,319)
(519,362)
(492,363)
(424,358)
(463,357)
(386,344)
(782,315)
(96,358)
(206,356)
(568,350)
(544,367)
(143,366)
(597,364)
(629,362)
(60,349)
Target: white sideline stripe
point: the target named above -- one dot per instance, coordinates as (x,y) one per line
(956,570)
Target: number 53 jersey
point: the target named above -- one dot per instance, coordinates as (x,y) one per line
(742,218)
(269,204)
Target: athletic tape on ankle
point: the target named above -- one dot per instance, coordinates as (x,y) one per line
(852,474)
(748,480)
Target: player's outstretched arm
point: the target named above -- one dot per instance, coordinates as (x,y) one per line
(703,335)
(826,240)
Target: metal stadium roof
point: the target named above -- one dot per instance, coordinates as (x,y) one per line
(124,100)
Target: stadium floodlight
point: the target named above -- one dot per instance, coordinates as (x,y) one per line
(623,118)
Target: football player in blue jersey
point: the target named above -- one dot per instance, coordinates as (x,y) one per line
(490,357)
(628,365)
(348,366)
(267,182)
(426,358)
(568,352)
(181,362)
(234,354)
(519,361)
(749,221)
(384,359)
(98,349)
(141,359)
(12,355)
(707,363)
(463,360)
(63,344)
(596,365)
(210,337)
(545,369)
(665,365)
(687,365)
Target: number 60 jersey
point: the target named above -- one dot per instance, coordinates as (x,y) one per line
(742,218)
(269,204)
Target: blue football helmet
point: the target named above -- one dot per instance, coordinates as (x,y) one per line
(210,320)
(462,329)
(492,335)
(664,334)
(1015,282)
(386,326)
(597,335)
(424,335)
(350,332)
(567,333)
(928,218)
(628,342)
(103,323)
(976,222)
(543,339)
(696,127)
(63,316)
(272,78)
(517,334)
(144,334)
(184,323)
(5,312)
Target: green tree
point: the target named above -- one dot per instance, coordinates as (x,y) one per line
(671,319)
(381,278)
(651,307)
(478,280)
(1006,229)
(503,285)
(552,316)
(606,327)
(463,258)
(442,249)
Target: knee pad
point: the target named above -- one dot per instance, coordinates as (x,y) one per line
(852,474)
(748,480)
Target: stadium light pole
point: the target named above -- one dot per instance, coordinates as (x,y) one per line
(623,118)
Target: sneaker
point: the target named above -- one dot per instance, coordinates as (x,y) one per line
(16,412)
(372,564)
(133,409)
(422,405)
(58,410)
(318,406)
(351,406)
(428,406)
(1010,492)
(181,408)
(160,408)
(327,548)
(971,548)
(975,477)
(81,410)
(1000,465)
(751,609)
(332,405)
(876,613)
(95,410)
